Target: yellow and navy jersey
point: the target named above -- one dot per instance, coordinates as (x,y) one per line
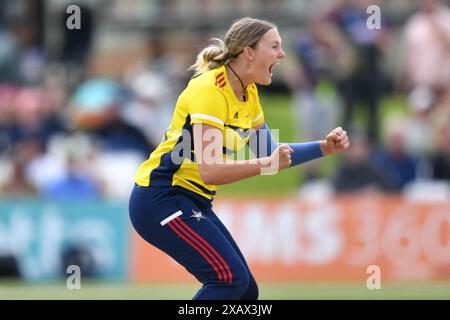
(208,99)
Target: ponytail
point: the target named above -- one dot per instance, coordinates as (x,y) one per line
(212,57)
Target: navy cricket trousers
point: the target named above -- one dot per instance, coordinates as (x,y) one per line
(183,225)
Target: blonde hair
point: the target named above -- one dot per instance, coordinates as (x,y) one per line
(245,32)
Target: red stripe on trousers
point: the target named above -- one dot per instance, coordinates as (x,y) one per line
(186,232)
(180,224)
(180,232)
(227,268)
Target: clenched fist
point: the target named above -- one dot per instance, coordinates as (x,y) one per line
(336,141)
(281,157)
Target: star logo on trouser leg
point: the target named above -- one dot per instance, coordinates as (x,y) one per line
(198,215)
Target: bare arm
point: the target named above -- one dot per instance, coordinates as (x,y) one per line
(214,169)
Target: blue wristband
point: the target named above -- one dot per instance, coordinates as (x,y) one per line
(304,152)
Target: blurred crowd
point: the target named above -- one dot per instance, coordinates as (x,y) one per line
(76,122)
(343,76)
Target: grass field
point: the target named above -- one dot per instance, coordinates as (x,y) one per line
(297,291)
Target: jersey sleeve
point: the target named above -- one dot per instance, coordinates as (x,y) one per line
(209,107)
(257,114)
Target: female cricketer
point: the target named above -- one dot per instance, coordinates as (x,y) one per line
(216,114)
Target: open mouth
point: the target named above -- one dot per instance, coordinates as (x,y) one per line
(271,67)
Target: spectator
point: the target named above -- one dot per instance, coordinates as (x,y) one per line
(426,69)
(149,111)
(315,104)
(32,117)
(427,48)
(96,107)
(394,158)
(361,80)
(18,185)
(357,173)
(75,185)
